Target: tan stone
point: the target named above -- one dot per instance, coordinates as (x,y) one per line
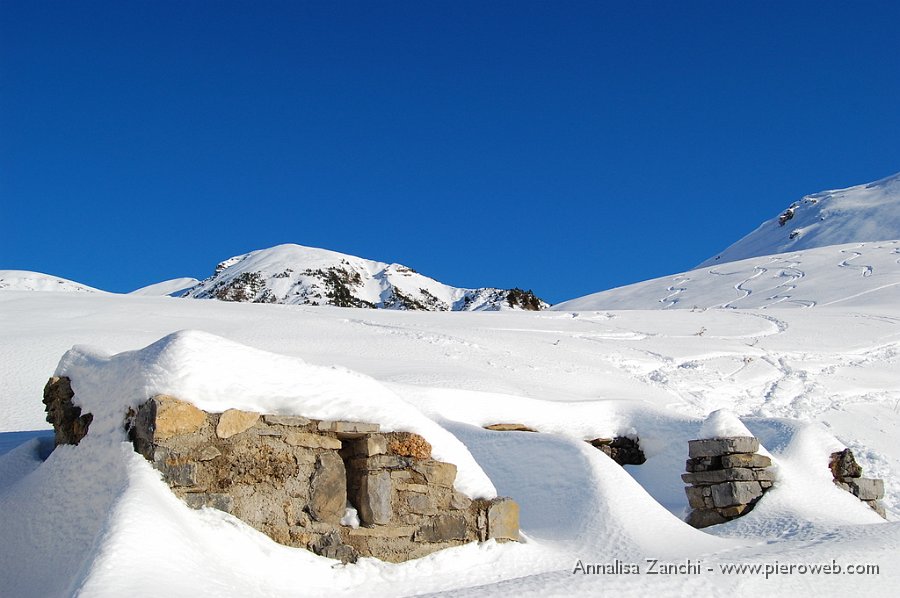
(309,440)
(235,421)
(395,531)
(175,417)
(286,420)
(509,428)
(503,519)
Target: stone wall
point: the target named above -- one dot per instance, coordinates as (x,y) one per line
(848,475)
(297,479)
(726,476)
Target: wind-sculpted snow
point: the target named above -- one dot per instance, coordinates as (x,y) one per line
(805,381)
(851,275)
(22,280)
(864,213)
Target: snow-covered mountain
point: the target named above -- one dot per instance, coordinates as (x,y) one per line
(863,213)
(167,287)
(23,280)
(297,275)
(853,275)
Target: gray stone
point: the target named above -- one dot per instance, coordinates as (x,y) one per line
(418,503)
(503,519)
(754,460)
(375,499)
(704,518)
(695,497)
(330,546)
(286,420)
(352,429)
(328,488)
(713,447)
(179,474)
(442,528)
(459,501)
(735,493)
(437,472)
(739,474)
(866,488)
(376,444)
(222,502)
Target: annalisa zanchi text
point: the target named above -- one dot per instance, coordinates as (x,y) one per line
(689,567)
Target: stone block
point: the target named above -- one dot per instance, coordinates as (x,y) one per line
(174,417)
(705,478)
(843,465)
(695,497)
(222,502)
(179,474)
(328,488)
(703,464)
(459,501)
(704,518)
(286,420)
(393,531)
(310,440)
(418,488)
(866,488)
(729,494)
(381,462)
(442,528)
(418,503)
(235,421)
(754,460)
(503,519)
(735,511)
(351,429)
(437,472)
(374,444)
(375,499)
(714,447)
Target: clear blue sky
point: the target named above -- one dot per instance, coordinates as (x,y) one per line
(566,147)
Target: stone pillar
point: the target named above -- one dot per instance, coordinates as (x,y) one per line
(726,476)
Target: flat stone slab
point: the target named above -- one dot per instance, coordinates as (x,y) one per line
(866,488)
(509,428)
(309,440)
(713,447)
(754,460)
(235,421)
(286,420)
(737,474)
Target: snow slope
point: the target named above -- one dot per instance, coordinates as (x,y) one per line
(23,280)
(297,275)
(167,287)
(864,213)
(851,275)
(806,381)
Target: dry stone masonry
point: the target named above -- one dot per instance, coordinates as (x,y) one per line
(848,475)
(726,476)
(297,479)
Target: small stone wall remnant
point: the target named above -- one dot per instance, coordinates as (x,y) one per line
(847,474)
(296,479)
(69,425)
(726,476)
(621,449)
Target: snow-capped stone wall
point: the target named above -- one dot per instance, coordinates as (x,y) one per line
(341,489)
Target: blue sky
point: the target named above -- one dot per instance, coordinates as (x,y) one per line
(566,147)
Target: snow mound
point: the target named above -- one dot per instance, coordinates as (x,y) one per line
(722,423)
(23,280)
(216,374)
(863,213)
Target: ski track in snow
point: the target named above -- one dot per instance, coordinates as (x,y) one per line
(672,298)
(739,287)
(866,270)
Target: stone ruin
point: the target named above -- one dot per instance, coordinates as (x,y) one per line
(848,475)
(297,479)
(726,476)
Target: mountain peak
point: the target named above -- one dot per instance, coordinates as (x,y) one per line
(300,275)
